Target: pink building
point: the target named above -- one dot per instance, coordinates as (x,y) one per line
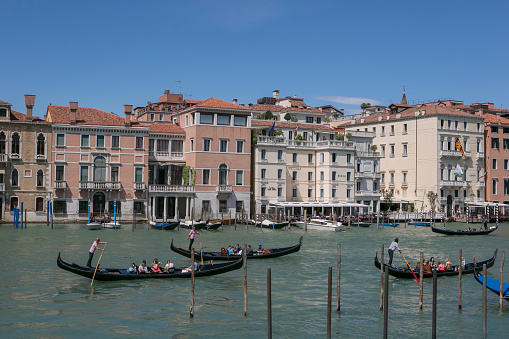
(98,157)
(164,109)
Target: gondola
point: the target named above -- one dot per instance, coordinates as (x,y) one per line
(198,224)
(272,253)
(389,224)
(406,273)
(108,274)
(360,224)
(273,225)
(493,285)
(214,225)
(460,232)
(420,223)
(167,226)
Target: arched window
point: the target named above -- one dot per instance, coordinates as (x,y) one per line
(40,178)
(15,144)
(3,149)
(40,144)
(14,178)
(100,169)
(223,170)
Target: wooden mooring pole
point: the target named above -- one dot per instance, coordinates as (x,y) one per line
(338,284)
(329,302)
(244,256)
(502,279)
(386,301)
(460,272)
(484,303)
(434,319)
(191,311)
(421,276)
(382,278)
(305,220)
(269,305)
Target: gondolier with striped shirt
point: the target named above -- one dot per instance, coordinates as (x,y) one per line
(394,247)
(191,235)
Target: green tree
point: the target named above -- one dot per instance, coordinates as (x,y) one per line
(365,105)
(299,137)
(288,117)
(254,136)
(339,136)
(268,115)
(277,132)
(374,148)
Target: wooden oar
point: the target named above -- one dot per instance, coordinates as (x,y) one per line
(409,267)
(98,261)
(201,251)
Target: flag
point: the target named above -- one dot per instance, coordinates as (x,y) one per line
(273,127)
(458,147)
(482,176)
(295,132)
(458,172)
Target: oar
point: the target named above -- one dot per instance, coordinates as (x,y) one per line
(98,261)
(201,251)
(410,267)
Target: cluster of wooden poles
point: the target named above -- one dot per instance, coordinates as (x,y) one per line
(384,292)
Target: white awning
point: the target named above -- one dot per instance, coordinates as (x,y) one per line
(315,204)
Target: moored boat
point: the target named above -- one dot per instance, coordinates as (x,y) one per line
(325,225)
(461,232)
(108,274)
(273,225)
(420,223)
(94,226)
(199,224)
(389,224)
(360,224)
(404,272)
(493,285)
(167,226)
(222,255)
(115,224)
(214,224)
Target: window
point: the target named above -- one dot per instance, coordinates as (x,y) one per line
(206,118)
(318,120)
(39,204)
(239,206)
(333,176)
(206,145)
(60,140)
(405,175)
(309,120)
(15,144)
(310,192)
(83,173)
(294,192)
(263,209)
(442,124)
(506,130)
(114,174)
(40,144)
(449,124)
(392,178)
(465,126)
(280,155)
(223,145)
(494,162)
(358,186)
(348,192)
(152,117)
(138,174)
(223,119)
(294,157)
(494,129)
(456,125)
(85,140)
(305,135)
(240,146)
(478,127)
(39,178)
(321,192)
(505,164)
(405,150)
(494,186)
(83,206)
(506,186)
(239,121)
(334,190)
(294,175)
(506,143)
(382,132)
(290,135)
(115,141)
(279,191)
(310,158)
(494,143)
(139,206)
(310,176)
(322,175)
(334,157)
(191,145)
(382,178)
(280,173)
(161,117)
(405,128)
(59,206)
(14,177)
(348,158)
(382,150)
(392,129)
(322,157)
(100,141)
(223,171)
(139,143)
(348,176)
(59,173)
(375,186)
(263,173)
(100,169)
(263,191)
(3,112)
(239,177)
(264,154)
(205,176)
(112,207)
(392,151)
(187,120)
(374,131)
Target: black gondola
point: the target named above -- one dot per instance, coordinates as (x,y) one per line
(272,253)
(460,232)
(167,226)
(404,272)
(273,225)
(108,274)
(493,285)
(214,225)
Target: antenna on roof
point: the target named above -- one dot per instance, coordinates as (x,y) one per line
(180,86)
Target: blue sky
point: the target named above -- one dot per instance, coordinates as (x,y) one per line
(105,54)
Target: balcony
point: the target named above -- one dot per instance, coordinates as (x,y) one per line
(15,156)
(481,184)
(60,184)
(3,158)
(224,189)
(369,154)
(454,154)
(40,157)
(265,140)
(140,186)
(281,199)
(169,188)
(452,183)
(367,193)
(100,185)
(480,155)
(369,175)
(348,145)
(165,156)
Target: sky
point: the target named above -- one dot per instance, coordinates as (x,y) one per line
(105,54)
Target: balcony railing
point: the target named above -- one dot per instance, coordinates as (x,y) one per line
(452,183)
(324,143)
(454,154)
(171,188)
(367,193)
(368,175)
(139,186)
(60,184)
(166,156)
(481,184)
(3,157)
(264,140)
(100,185)
(224,189)
(15,156)
(40,157)
(480,155)
(368,154)
(281,199)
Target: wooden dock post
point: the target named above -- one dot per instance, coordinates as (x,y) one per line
(191,312)
(484,303)
(244,256)
(269,305)
(305,220)
(329,302)
(348,221)
(460,272)
(386,301)
(502,279)
(421,276)
(382,278)
(338,284)
(434,319)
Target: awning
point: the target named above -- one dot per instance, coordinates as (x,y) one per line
(2,171)
(315,204)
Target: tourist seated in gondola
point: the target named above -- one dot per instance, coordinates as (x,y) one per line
(236,249)
(463,263)
(230,250)
(190,268)
(448,264)
(169,267)
(133,269)
(441,266)
(260,249)
(249,250)
(143,267)
(154,267)
(431,263)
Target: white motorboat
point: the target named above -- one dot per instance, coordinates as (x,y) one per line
(94,226)
(112,225)
(324,225)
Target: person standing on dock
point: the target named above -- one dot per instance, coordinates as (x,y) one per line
(92,250)
(394,247)
(191,235)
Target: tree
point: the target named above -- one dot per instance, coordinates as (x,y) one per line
(288,117)
(374,148)
(277,132)
(365,105)
(268,115)
(254,136)
(348,135)
(432,198)
(339,136)
(299,137)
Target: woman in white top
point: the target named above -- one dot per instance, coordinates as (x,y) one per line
(169,267)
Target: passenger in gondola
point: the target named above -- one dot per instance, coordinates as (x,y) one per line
(133,269)
(169,267)
(485,223)
(190,268)
(431,263)
(236,249)
(441,267)
(143,267)
(448,264)
(249,250)
(230,250)
(260,249)
(154,267)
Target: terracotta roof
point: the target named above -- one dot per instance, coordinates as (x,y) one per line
(264,108)
(166,128)
(217,103)
(282,109)
(495,119)
(18,116)
(4,103)
(291,125)
(84,116)
(189,101)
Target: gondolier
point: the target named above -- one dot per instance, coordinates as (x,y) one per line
(191,235)
(92,250)
(394,247)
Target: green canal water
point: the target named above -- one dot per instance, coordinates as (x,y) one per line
(38,299)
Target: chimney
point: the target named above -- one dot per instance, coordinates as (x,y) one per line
(127,110)
(275,94)
(235,101)
(29,102)
(166,91)
(73,107)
